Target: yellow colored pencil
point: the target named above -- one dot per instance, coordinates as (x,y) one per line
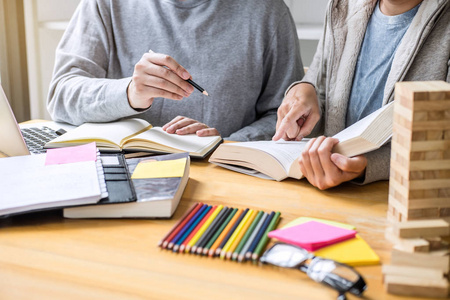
(214,248)
(247,224)
(235,234)
(204,227)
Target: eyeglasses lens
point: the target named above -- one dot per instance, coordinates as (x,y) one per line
(285,256)
(338,276)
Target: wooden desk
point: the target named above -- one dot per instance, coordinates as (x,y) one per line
(44,256)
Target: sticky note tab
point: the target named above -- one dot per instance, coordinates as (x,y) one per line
(302,220)
(312,235)
(159,169)
(66,155)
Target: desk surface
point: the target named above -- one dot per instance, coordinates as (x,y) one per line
(44,256)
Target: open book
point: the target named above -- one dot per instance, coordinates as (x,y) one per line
(159,182)
(136,135)
(278,160)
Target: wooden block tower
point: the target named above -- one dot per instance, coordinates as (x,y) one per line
(419,190)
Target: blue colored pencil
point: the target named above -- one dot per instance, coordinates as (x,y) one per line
(184,240)
(230,233)
(186,228)
(212,229)
(252,237)
(258,237)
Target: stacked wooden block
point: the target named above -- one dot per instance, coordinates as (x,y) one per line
(419,190)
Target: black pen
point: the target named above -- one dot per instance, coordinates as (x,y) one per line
(191,82)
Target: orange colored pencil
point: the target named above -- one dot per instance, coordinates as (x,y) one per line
(244,229)
(185,245)
(224,233)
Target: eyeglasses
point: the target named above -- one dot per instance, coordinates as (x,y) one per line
(340,277)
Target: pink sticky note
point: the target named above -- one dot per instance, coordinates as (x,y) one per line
(58,156)
(312,235)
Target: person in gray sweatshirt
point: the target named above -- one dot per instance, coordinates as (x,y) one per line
(243,53)
(367,47)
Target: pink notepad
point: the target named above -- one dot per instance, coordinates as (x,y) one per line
(66,155)
(312,235)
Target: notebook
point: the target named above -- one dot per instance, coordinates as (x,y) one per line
(13,137)
(36,182)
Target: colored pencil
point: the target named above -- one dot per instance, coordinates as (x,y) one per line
(212,229)
(222,236)
(248,233)
(258,237)
(190,227)
(252,237)
(246,223)
(235,234)
(186,226)
(230,233)
(179,225)
(230,215)
(265,239)
(197,228)
(205,226)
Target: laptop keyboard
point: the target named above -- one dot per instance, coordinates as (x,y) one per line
(35,137)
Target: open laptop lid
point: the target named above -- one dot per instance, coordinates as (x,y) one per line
(11,140)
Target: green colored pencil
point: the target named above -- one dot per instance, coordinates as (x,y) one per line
(247,235)
(265,239)
(219,231)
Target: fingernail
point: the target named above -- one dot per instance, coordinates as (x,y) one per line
(186,75)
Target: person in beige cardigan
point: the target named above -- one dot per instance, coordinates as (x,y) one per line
(320,103)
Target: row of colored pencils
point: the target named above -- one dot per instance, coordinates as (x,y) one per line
(218,231)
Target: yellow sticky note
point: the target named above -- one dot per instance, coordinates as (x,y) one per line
(354,252)
(159,169)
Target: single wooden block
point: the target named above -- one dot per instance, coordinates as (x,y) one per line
(408,245)
(415,272)
(417,287)
(425,228)
(425,260)
(437,243)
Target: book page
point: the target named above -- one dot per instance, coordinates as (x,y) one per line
(167,142)
(27,183)
(284,152)
(113,132)
(358,128)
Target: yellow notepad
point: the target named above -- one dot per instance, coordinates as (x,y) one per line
(160,169)
(354,252)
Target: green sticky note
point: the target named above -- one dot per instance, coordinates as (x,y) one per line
(159,169)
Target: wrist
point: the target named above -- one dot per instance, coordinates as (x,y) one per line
(131,102)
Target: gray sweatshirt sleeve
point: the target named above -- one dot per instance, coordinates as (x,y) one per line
(282,66)
(80,90)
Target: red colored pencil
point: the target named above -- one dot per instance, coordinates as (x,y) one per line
(184,245)
(179,225)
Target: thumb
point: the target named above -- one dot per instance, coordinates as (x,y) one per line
(355,164)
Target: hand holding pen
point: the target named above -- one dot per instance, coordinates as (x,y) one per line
(159,75)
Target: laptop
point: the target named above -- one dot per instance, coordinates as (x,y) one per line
(26,139)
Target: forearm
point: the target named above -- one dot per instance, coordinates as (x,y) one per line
(78,99)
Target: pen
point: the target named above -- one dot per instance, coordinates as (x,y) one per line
(191,82)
